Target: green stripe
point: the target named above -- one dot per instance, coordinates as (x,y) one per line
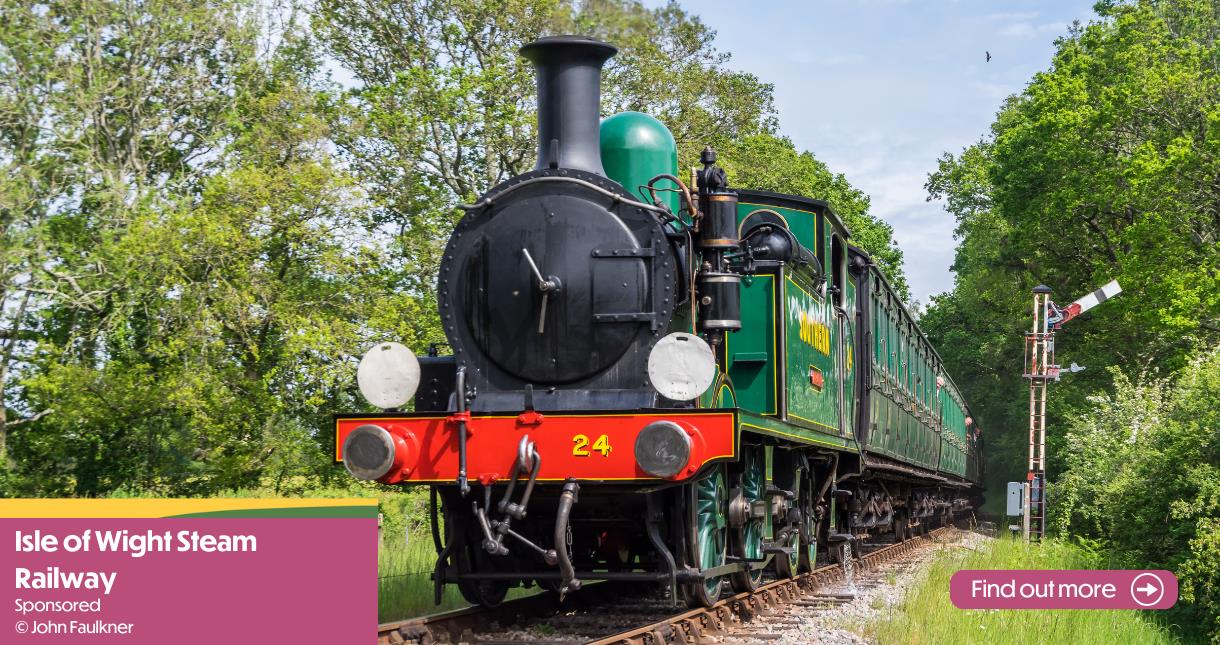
(369,511)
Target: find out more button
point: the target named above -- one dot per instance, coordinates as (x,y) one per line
(1063,589)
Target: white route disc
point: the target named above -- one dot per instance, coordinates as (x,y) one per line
(388,375)
(681,366)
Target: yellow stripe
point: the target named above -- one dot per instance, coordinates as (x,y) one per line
(814,422)
(129,508)
(794,436)
(768,206)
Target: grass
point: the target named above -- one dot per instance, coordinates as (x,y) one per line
(926,616)
(404,580)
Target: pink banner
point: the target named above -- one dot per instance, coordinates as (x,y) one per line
(1064,589)
(190,580)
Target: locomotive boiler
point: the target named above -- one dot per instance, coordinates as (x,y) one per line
(653,378)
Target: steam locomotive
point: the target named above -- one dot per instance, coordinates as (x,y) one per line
(659,380)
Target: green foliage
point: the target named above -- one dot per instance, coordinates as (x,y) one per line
(1142,477)
(199,230)
(198,278)
(770,162)
(927,616)
(1104,167)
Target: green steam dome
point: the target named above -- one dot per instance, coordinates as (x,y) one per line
(635,148)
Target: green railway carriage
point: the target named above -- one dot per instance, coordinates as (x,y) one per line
(914,412)
(829,355)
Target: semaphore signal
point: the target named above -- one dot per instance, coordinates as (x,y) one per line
(1040,369)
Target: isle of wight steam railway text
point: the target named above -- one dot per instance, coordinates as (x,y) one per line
(136,544)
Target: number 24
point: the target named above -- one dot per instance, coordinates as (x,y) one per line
(581,449)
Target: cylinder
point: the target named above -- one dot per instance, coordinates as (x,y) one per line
(719,227)
(719,301)
(635,148)
(569,70)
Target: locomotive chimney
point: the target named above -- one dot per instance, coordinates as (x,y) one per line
(569,70)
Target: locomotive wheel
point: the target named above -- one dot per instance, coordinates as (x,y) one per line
(788,566)
(809,542)
(748,539)
(711,536)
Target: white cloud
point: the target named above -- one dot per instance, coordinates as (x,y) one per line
(1018,30)
(824,59)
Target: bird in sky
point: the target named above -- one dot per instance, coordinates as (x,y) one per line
(988,57)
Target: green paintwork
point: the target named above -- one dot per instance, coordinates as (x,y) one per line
(753,485)
(635,148)
(806,225)
(807,537)
(772,427)
(790,304)
(811,351)
(910,418)
(848,347)
(752,351)
(790,327)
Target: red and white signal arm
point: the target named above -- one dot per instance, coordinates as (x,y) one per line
(1090,300)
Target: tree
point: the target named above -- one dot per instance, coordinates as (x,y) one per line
(444,109)
(771,162)
(105,110)
(203,274)
(1141,475)
(1104,167)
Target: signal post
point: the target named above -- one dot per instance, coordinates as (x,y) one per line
(1040,368)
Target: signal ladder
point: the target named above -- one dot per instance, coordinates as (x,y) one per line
(1040,368)
(1035,515)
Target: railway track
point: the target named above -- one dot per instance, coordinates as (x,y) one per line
(622,614)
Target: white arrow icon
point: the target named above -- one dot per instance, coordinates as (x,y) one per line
(1153,589)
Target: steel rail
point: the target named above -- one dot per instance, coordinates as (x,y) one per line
(690,626)
(685,627)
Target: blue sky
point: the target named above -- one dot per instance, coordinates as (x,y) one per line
(878,90)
